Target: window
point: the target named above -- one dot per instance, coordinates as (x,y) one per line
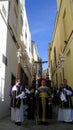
(4,60)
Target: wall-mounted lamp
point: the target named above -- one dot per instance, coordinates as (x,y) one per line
(61,61)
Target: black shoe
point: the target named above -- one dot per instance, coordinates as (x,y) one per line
(18,123)
(45,123)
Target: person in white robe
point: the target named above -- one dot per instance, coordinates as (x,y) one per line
(17,114)
(65,109)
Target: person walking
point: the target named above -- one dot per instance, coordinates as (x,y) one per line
(65,110)
(31,104)
(43,92)
(18,94)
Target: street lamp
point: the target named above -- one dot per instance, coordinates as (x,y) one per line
(61,62)
(61,57)
(19,55)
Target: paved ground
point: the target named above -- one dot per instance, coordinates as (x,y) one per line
(7,124)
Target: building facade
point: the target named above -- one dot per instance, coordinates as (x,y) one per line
(15,49)
(61,48)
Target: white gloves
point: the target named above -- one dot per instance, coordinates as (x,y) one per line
(21,96)
(27,91)
(68,92)
(36,91)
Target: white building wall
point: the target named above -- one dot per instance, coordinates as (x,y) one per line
(35,54)
(3,43)
(8,49)
(27,45)
(34,50)
(26,34)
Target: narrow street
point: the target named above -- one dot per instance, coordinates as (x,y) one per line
(7,124)
(32,33)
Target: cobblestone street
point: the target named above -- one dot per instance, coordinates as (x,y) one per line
(7,124)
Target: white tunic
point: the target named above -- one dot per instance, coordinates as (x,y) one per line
(65,114)
(17,114)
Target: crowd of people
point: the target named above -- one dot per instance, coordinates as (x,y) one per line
(40,101)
